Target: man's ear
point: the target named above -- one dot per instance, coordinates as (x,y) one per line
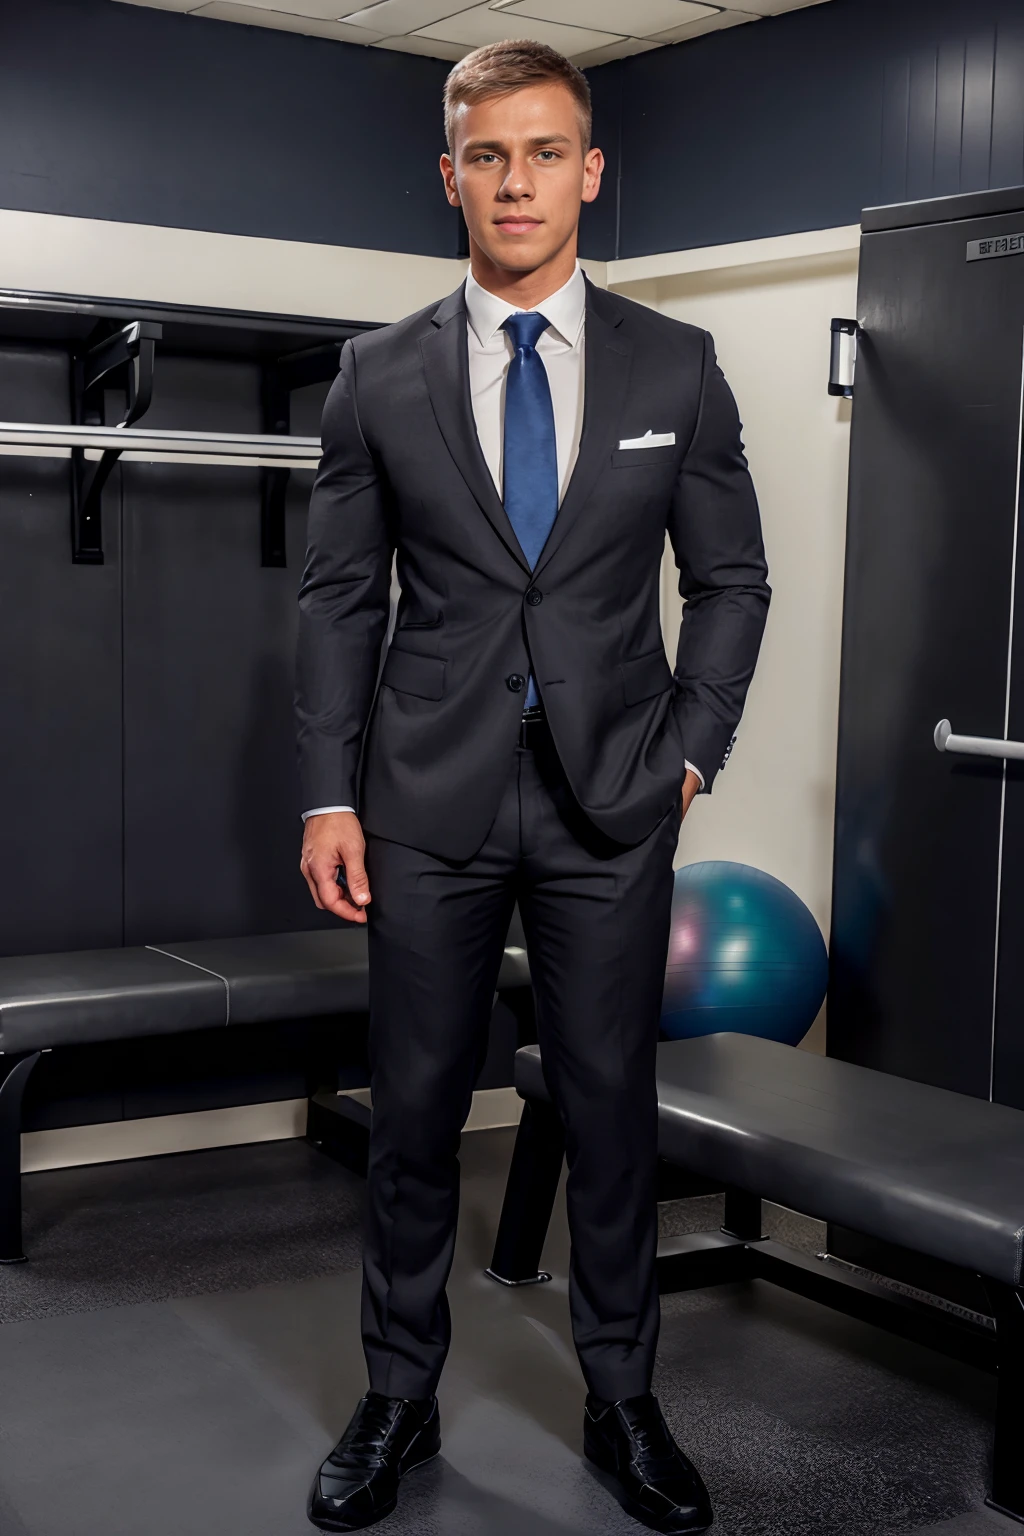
(593,166)
(450,187)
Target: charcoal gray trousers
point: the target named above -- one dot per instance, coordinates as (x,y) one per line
(596,916)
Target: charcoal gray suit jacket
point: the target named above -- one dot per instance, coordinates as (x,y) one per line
(423,747)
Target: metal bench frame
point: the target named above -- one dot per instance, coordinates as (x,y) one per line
(740,1251)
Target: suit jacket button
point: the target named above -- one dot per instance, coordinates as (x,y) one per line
(533,597)
(516,682)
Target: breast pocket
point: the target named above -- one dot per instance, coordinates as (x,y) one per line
(408,672)
(643,458)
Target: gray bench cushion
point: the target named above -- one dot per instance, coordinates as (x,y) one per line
(938,1172)
(284,975)
(101,994)
(115,994)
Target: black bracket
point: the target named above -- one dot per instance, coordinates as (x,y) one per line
(313,365)
(132,348)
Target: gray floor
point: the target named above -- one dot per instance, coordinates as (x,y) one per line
(183,1349)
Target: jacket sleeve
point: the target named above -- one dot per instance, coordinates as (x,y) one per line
(343,602)
(715,530)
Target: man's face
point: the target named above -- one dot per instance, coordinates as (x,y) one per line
(518,172)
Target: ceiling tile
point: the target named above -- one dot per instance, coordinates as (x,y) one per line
(395,16)
(637,18)
(621,50)
(711,24)
(257,16)
(429,47)
(482,25)
(317,10)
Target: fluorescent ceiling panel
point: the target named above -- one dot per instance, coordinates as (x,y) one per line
(482,25)
(637,18)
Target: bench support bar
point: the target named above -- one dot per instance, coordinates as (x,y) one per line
(717,1258)
(529,1196)
(340,1126)
(12,1091)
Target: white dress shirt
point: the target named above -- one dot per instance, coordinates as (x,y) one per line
(561,348)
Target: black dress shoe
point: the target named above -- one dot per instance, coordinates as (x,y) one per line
(358,1483)
(630,1440)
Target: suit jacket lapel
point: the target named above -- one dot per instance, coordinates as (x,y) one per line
(607,362)
(446,363)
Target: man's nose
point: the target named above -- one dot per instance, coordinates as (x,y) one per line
(517,184)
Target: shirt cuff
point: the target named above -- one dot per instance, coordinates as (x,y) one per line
(694,769)
(325,810)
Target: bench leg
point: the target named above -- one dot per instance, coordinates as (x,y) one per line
(1007,1495)
(12,1090)
(529,1197)
(742,1216)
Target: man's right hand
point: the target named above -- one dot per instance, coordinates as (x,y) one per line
(329,841)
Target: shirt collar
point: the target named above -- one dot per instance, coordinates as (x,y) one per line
(563,310)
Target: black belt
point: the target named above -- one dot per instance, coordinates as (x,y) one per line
(533,729)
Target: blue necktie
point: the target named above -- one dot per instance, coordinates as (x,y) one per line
(530,490)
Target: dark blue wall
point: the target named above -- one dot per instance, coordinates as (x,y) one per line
(800,121)
(120,112)
(797,122)
(599,225)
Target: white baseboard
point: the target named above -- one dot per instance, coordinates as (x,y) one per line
(118,1140)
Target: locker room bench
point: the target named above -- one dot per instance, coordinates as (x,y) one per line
(935,1172)
(87,996)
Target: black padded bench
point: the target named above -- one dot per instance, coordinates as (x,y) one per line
(931,1171)
(83,997)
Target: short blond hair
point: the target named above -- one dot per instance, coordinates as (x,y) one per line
(501,68)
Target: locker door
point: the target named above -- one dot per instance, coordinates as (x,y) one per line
(60,691)
(933,501)
(1007,1068)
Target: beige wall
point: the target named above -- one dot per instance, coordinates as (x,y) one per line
(773,805)
(98,257)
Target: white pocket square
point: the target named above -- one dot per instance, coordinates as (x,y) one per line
(650,439)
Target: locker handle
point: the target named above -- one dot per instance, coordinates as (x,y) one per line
(975,746)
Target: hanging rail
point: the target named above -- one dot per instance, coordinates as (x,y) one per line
(291,452)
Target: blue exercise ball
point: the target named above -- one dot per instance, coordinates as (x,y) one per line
(744,955)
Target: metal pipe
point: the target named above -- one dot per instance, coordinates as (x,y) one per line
(298,451)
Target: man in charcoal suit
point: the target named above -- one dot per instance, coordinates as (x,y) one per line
(522,447)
